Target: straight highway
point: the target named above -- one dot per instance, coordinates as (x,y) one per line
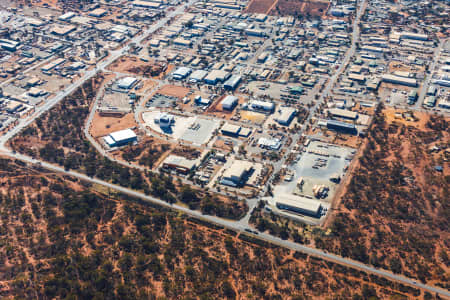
(235,225)
(240,225)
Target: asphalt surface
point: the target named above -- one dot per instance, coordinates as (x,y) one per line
(23,123)
(235,225)
(423,91)
(240,225)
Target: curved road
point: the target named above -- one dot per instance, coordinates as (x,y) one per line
(240,225)
(235,225)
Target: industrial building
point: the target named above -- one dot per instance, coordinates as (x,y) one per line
(53,64)
(182,42)
(67,16)
(429,101)
(237,174)
(444,104)
(261,106)
(300,205)
(270,144)
(399,80)
(181,73)
(165,120)
(98,13)
(62,30)
(285,115)
(146,4)
(409,35)
(179,164)
(412,96)
(229,102)
(431,91)
(245,132)
(126,83)
(13,106)
(202,101)
(120,138)
(216,76)
(9,44)
(341,127)
(343,113)
(198,76)
(232,82)
(230,129)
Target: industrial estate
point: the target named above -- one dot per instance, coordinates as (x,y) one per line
(259,113)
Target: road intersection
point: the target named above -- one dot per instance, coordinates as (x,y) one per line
(240,225)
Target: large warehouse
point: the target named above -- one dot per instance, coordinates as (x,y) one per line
(120,138)
(342,126)
(216,76)
(343,113)
(178,163)
(301,205)
(230,129)
(181,73)
(285,115)
(399,80)
(232,82)
(198,76)
(261,106)
(229,102)
(237,174)
(126,83)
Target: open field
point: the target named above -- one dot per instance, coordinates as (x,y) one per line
(393,210)
(133,65)
(70,232)
(173,90)
(404,225)
(57,137)
(259,6)
(102,126)
(286,7)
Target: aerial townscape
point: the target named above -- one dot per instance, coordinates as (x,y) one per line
(224,149)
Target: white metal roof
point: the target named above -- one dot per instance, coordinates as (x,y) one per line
(182,71)
(303,203)
(285,114)
(180,161)
(126,82)
(122,135)
(237,169)
(262,104)
(198,75)
(229,100)
(231,128)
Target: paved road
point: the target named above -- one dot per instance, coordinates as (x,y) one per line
(23,123)
(329,86)
(240,225)
(235,225)
(422,92)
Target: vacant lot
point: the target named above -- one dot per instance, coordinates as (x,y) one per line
(58,137)
(259,6)
(289,7)
(303,8)
(174,90)
(395,211)
(102,126)
(133,65)
(62,238)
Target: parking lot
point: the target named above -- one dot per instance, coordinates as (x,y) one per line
(320,164)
